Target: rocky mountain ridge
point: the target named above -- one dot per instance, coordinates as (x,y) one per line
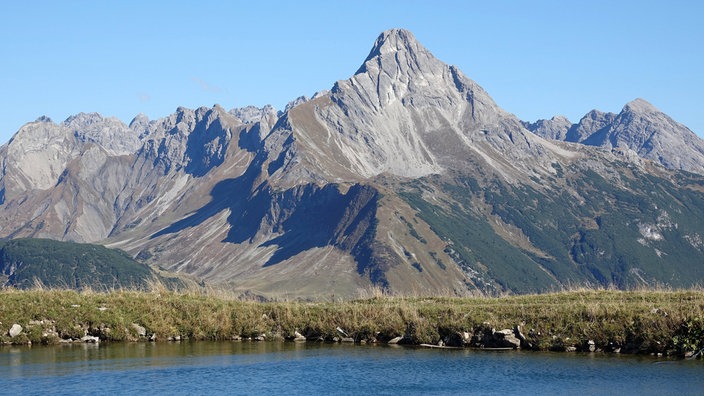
(406,176)
(639,127)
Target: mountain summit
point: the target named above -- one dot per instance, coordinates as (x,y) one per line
(639,105)
(408,114)
(639,127)
(406,176)
(397,41)
(394,40)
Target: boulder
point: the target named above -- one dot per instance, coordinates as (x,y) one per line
(507,338)
(457,339)
(15,330)
(140,330)
(395,340)
(341,332)
(518,332)
(613,346)
(491,338)
(90,339)
(298,337)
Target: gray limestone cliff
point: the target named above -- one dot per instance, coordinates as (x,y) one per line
(639,127)
(555,128)
(404,113)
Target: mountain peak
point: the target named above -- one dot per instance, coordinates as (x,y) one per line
(640,106)
(393,40)
(44,119)
(139,123)
(81,119)
(397,49)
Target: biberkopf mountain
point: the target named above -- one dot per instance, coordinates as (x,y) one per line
(406,176)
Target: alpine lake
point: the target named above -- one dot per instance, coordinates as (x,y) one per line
(246,368)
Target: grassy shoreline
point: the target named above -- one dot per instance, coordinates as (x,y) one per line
(666,322)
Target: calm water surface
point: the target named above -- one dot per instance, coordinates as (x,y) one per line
(288,368)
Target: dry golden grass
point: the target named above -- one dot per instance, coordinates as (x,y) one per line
(636,321)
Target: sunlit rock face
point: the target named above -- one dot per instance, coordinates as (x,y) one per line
(407,176)
(639,127)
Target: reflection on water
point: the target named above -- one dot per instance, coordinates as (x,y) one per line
(310,368)
(63,359)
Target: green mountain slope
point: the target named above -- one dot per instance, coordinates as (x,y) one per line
(26,262)
(639,230)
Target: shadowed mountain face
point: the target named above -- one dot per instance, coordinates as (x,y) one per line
(406,176)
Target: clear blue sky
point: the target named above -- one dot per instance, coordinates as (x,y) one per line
(536,58)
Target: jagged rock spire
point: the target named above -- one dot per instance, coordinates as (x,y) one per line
(396,52)
(395,40)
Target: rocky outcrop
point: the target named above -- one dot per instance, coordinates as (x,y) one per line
(298,101)
(488,337)
(39,153)
(555,128)
(253,114)
(109,133)
(640,127)
(589,125)
(653,135)
(193,140)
